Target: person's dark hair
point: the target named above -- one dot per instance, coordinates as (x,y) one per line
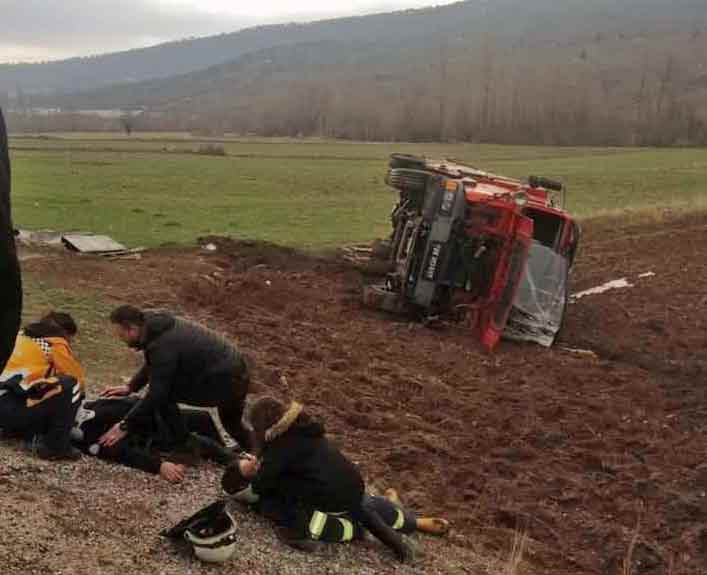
(63,320)
(127,316)
(53,324)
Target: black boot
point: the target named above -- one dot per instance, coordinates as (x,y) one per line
(386,534)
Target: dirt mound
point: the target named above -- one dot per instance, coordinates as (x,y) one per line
(243,255)
(599,458)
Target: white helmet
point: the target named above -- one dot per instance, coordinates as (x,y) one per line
(213,538)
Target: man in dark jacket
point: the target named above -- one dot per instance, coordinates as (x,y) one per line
(299,471)
(184,363)
(10,284)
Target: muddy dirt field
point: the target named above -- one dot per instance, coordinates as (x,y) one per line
(600,458)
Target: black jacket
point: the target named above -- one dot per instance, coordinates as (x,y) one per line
(10,284)
(303,467)
(186,363)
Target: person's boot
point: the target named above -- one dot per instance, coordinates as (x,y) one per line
(386,534)
(68,453)
(432,525)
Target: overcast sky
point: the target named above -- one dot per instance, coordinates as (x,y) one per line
(32,30)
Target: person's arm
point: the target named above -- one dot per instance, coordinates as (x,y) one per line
(163,368)
(136,458)
(140,379)
(10,280)
(128,455)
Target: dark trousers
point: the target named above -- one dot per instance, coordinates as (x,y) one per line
(228,396)
(10,284)
(231,412)
(52,418)
(390,513)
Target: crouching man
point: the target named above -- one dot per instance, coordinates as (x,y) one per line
(184,363)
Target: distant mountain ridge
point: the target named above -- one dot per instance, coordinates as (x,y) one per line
(605,71)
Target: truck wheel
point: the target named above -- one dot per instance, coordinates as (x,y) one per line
(407,180)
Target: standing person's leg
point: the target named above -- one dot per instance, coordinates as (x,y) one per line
(10,282)
(231,411)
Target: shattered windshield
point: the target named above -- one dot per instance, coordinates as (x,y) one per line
(540,300)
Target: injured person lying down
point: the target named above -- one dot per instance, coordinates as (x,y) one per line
(152,449)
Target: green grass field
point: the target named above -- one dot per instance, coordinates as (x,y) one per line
(149,189)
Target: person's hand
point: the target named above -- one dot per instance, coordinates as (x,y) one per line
(172,472)
(112,436)
(248,466)
(116,391)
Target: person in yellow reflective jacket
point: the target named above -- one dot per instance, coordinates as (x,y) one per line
(42,386)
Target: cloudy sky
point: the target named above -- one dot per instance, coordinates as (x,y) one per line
(32,30)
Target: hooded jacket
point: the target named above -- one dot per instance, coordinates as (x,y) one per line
(10,284)
(183,360)
(300,464)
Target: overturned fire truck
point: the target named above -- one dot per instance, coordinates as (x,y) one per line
(489,251)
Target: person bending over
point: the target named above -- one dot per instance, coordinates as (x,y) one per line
(184,363)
